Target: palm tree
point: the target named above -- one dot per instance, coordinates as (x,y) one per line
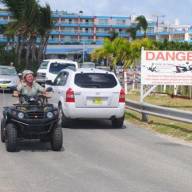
(23,26)
(45,25)
(113,35)
(142,23)
(30,21)
(132,32)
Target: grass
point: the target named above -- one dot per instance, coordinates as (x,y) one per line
(163,100)
(161,125)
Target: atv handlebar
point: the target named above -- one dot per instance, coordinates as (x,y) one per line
(33,100)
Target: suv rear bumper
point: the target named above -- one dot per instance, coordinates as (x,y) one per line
(93,113)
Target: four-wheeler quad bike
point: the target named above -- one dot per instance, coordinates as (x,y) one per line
(32,118)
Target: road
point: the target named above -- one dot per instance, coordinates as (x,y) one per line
(97,158)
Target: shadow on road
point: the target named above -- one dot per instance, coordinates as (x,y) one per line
(91,124)
(35,146)
(169,144)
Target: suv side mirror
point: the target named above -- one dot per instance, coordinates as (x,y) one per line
(49,89)
(20,75)
(49,82)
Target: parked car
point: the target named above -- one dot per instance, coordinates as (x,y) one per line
(89,94)
(49,69)
(102,67)
(8,78)
(87,65)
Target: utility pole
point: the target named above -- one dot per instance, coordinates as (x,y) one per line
(157,21)
(83,51)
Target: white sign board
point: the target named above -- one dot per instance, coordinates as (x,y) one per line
(166,67)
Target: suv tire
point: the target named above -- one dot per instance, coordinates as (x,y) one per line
(118,122)
(65,122)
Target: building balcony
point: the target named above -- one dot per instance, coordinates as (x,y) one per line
(86,33)
(99,42)
(4,14)
(123,34)
(3,40)
(86,17)
(54,32)
(86,24)
(103,26)
(121,26)
(72,33)
(54,41)
(177,33)
(3,22)
(62,24)
(60,15)
(103,34)
(140,34)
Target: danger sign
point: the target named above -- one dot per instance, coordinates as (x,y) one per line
(166,67)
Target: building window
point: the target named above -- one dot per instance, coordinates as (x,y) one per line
(121,21)
(103,21)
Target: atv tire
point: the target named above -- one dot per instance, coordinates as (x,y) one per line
(57,139)
(3,130)
(11,137)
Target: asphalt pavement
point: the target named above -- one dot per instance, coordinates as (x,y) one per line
(98,158)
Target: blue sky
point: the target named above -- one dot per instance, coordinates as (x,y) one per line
(172,9)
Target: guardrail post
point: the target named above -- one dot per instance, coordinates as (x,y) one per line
(144,117)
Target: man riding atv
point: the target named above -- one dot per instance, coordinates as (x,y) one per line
(28,86)
(32,118)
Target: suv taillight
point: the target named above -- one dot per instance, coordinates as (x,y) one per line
(122,96)
(70,97)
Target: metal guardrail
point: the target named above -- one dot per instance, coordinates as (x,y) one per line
(154,110)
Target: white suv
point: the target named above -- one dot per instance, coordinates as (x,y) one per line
(89,94)
(50,68)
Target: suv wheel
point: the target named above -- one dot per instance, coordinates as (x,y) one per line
(57,139)
(11,137)
(64,121)
(118,122)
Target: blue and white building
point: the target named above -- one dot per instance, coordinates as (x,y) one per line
(75,33)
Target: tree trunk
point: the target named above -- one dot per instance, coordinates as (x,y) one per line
(33,52)
(42,48)
(28,50)
(20,49)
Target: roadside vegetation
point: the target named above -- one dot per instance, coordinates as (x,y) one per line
(163,100)
(161,125)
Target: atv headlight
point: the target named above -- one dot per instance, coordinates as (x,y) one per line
(20,115)
(49,115)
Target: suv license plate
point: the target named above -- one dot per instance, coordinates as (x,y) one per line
(4,86)
(97,101)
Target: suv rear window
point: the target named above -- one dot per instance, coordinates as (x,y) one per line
(95,80)
(55,68)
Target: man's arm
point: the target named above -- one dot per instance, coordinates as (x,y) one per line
(40,88)
(19,87)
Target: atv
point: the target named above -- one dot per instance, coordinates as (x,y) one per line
(31,118)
